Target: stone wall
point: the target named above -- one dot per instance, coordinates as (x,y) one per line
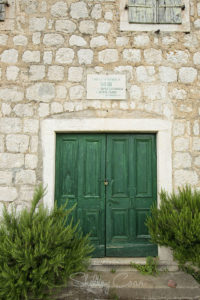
(45,60)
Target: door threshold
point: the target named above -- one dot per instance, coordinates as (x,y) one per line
(124,263)
(117,261)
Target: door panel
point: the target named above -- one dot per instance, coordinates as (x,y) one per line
(114,214)
(81,165)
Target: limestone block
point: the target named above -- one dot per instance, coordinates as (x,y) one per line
(197,161)
(155,92)
(36,38)
(182,160)
(132,55)
(47,57)
(197,23)
(167,74)
(125,69)
(98,41)
(69,106)
(178,128)
(178,57)
(11,94)
(145,74)
(30,6)
(6,109)
(76,92)
(43,7)
(153,56)
(187,75)
(87,27)
(37,24)
(108,15)
(10,125)
(178,94)
(79,10)
(196,58)
(20,40)
(31,126)
(122,41)
(12,73)
(61,92)
(34,144)
(5,177)
(11,160)
(103,27)
(25,177)
(96,11)
(3,39)
(65,26)
(36,72)
(8,194)
(135,92)
(183,177)
(76,40)
(23,110)
(41,92)
(1,143)
(64,56)
(59,9)
(26,193)
(75,74)
(196,144)
(56,108)
(43,109)
(17,143)
(196,127)
(141,40)
(9,56)
(31,56)
(1,209)
(56,73)
(53,39)
(169,40)
(108,56)
(31,161)
(181,144)
(85,56)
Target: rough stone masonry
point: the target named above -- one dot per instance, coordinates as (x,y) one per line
(46,53)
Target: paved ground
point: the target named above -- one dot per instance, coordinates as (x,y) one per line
(130,285)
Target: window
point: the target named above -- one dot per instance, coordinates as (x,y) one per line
(151,15)
(7,14)
(155,11)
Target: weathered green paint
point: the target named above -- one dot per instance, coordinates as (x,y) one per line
(155,11)
(114,214)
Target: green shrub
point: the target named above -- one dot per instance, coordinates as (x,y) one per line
(39,250)
(176,224)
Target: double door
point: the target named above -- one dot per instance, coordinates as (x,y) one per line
(112,179)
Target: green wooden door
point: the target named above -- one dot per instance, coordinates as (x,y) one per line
(112,178)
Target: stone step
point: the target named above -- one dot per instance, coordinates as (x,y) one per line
(130,285)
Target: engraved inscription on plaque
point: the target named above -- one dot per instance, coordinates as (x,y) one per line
(106,87)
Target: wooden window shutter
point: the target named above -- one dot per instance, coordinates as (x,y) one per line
(2,10)
(169,11)
(142,11)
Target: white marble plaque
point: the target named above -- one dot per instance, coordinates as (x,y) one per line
(106,87)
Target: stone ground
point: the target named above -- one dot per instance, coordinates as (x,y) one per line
(96,285)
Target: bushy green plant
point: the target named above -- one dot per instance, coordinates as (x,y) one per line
(150,268)
(176,224)
(39,250)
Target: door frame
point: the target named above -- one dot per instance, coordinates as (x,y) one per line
(162,128)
